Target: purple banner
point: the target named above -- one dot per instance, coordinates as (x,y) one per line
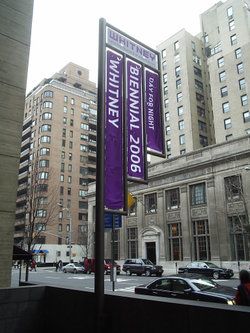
(113,141)
(154,123)
(135,134)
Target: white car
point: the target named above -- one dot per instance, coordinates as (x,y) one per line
(73,267)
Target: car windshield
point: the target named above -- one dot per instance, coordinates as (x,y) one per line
(147,262)
(77,264)
(204,284)
(211,265)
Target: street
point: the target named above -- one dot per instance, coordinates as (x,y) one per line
(124,283)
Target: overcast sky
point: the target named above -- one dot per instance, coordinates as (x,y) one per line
(66,31)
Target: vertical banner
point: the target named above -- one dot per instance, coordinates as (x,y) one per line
(135,122)
(154,122)
(113,123)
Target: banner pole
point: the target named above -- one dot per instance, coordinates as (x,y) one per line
(99,225)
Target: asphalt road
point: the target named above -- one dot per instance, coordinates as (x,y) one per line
(123,283)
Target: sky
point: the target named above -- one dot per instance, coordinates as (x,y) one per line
(66,31)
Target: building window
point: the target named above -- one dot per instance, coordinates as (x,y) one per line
(46,115)
(244,100)
(175,241)
(132,236)
(242,84)
(43,163)
(165,78)
(239,237)
(198,194)
(151,203)
(201,239)
(164,53)
(233,188)
(180,110)
(182,151)
(231,25)
(48,93)
(176,45)
(198,85)
(84,126)
(44,151)
(227,123)
(47,104)
(237,53)
(172,199)
(179,97)
(41,213)
(220,62)
(177,58)
(202,126)
(45,139)
(182,139)
(233,39)
(246,117)
(223,91)
(43,175)
(168,145)
(164,65)
(177,71)
(165,90)
(167,116)
(201,112)
(200,98)
(197,72)
(65,99)
(46,128)
(181,125)
(222,76)
(178,84)
(206,38)
(203,140)
(193,45)
(61,178)
(166,102)
(225,107)
(240,68)
(230,12)
(72,102)
(65,109)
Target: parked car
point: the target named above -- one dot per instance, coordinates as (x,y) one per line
(73,267)
(89,265)
(140,266)
(208,269)
(190,287)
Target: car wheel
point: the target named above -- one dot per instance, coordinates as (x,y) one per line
(75,271)
(64,271)
(128,272)
(147,272)
(216,275)
(159,274)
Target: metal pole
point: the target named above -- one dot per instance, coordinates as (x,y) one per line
(99,225)
(113,245)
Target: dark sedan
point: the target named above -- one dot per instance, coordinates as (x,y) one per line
(190,287)
(208,269)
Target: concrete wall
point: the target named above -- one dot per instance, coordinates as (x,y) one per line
(48,309)
(15,30)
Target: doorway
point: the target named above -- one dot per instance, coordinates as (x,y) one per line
(151,252)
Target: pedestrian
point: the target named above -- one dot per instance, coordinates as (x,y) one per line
(243,291)
(57,266)
(60,265)
(33,265)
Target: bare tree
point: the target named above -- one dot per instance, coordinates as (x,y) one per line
(41,206)
(237,201)
(85,239)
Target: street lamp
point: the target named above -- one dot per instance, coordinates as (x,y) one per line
(70,225)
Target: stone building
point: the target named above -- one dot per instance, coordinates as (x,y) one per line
(57,162)
(194,207)
(15,32)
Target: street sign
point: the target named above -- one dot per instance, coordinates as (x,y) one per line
(108,220)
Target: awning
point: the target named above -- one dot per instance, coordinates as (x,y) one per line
(40,251)
(20,254)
